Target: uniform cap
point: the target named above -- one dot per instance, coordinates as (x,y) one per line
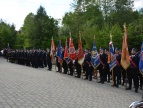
(101,48)
(117,49)
(134,49)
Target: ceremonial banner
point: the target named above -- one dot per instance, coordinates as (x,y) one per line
(53,47)
(125,62)
(66,53)
(112,56)
(141,60)
(80,52)
(60,53)
(95,61)
(72,51)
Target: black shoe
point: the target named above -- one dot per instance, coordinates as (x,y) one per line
(113,85)
(136,90)
(99,81)
(117,86)
(128,88)
(85,78)
(108,81)
(140,88)
(102,82)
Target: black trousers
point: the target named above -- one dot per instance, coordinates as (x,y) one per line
(89,71)
(116,75)
(45,63)
(35,63)
(49,64)
(70,65)
(65,66)
(123,72)
(102,72)
(58,64)
(41,63)
(78,68)
(107,72)
(133,75)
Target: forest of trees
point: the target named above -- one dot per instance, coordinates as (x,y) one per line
(89,17)
(36,32)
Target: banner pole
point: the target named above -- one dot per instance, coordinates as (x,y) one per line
(126,80)
(112,77)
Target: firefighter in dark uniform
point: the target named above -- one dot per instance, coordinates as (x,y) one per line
(35,58)
(64,64)
(32,57)
(78,68)
(28,58)
(57,63)
(107,74)
(117,68)
(133,71)
(45,58)
(70,65)
(87,65)
(49,62)
(41,59)
(102,66)
(25,57)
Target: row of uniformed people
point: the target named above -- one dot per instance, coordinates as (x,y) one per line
(118,74)
(35,58)
(40,58)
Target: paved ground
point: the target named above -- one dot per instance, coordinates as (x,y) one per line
(27,87)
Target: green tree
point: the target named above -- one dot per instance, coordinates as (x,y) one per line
(38,29)
(7,35)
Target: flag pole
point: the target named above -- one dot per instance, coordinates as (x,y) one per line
(58,58)
(66,62)
(53,58)
(81,64)
(95,70)
(126,79)
(72,60)
(110,59)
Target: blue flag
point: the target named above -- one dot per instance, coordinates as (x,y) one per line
(141,60)
(94,57)
(60,53)
(112,63)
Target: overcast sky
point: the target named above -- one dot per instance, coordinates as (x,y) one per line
(15,11)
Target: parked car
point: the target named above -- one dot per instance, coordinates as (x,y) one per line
(137,104)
